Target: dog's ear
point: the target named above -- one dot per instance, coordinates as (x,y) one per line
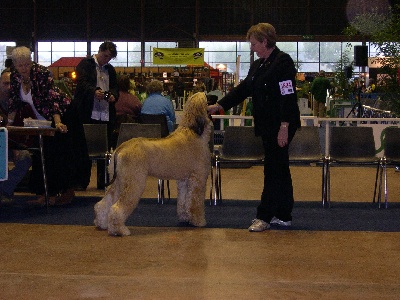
(199,125)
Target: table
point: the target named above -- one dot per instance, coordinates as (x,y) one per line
(40,132)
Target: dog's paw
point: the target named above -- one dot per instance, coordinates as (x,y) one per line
(99,225)
(199,223)
(185,224)
(120,231)
(100,221)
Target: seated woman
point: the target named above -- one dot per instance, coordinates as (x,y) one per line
(128,106)
(31,84)
(157,104)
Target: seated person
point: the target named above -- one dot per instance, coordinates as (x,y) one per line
(21,158)
(157,104)
(127,104)
(127,108)
(31,85)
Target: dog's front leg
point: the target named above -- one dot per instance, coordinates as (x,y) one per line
(116,220)
(183,206)
(125,205)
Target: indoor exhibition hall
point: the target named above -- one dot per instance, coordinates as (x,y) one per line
(194,149)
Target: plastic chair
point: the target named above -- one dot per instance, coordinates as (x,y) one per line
(156,119)
(97,144)
(128,131)
(391,157)
(305,149)
(354,146)
(162,121)
(240,146)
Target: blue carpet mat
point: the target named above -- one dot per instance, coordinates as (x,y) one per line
(238,214)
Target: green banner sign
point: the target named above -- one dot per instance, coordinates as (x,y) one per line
(178,56)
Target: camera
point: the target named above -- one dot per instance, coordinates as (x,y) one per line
(107,95)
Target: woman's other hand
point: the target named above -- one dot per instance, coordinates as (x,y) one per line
(212,109)
(283,135)
(61,127)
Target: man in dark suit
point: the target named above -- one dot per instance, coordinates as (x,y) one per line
(95,96)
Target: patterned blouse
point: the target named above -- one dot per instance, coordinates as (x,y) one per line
(47,98)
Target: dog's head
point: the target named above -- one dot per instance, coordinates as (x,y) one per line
(195,113)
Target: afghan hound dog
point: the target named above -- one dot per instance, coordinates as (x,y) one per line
(183,156)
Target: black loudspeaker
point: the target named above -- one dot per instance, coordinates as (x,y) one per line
(361,56)
(348,71)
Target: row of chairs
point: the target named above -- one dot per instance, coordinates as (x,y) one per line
(241,146)
(150,126)
(353,146)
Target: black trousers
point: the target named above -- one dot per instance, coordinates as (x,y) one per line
(277,196)
(59,165)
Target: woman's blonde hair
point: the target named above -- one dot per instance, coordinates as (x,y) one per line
(263,31)
(21,53)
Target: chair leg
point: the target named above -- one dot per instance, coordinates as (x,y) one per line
(219,181)
(323,196)
(212,181)
(328,186)
(326,182)
(383,186)
(386,185)
(106,174)
(378,180)
(102,172)
(169,191)
(216,183)
(159,194)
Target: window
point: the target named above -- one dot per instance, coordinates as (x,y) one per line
(5,52)
(308,56)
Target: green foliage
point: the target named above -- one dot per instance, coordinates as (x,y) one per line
(341,81)
(304,89)
(383,31)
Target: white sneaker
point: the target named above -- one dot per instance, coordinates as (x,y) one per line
(258,225)
(276,221)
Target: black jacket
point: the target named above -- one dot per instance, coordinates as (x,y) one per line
(86,87)
(272,86)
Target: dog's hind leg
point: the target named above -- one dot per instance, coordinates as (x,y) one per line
(125,205)
(102,208)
